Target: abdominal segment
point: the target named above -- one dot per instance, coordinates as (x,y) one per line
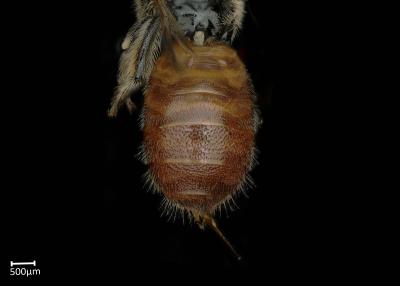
(198,129)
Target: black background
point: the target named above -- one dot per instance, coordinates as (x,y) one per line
(74,196)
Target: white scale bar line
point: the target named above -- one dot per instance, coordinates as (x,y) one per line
(23,263)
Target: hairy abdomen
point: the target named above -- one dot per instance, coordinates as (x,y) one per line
(199,125)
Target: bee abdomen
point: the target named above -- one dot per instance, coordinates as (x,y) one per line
(198,133)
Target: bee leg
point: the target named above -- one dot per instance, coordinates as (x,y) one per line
(136,63)
(149,46)
(121,97)
(231,18)
(129,36)
(130,105)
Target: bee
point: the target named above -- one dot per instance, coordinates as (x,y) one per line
(199,116)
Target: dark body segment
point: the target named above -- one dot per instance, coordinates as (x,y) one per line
(199,126)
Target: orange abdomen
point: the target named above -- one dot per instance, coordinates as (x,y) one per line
(199,126)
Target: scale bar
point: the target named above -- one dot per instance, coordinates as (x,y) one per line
(23,263)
